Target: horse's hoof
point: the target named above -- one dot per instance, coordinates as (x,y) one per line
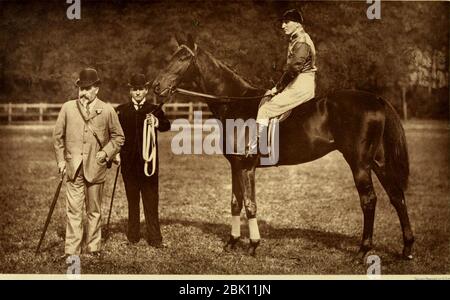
(407,255)
(359,258)
(361,255)
(407,252)
(231,244)
(252,248)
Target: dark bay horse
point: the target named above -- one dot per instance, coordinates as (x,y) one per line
(363,127)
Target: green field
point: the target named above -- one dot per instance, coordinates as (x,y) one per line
(309,215)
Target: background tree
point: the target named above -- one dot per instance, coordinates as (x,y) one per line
(41,51)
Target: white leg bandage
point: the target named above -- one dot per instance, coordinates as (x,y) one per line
(253,228)
(236,226)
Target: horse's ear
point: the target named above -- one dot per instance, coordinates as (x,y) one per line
(179,40)
(190,41)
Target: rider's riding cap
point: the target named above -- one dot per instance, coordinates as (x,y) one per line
(292,15)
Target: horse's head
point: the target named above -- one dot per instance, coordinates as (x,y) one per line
(180,67)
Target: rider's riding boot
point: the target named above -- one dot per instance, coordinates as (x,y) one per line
(252,148)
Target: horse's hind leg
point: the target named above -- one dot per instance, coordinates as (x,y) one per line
(360,150)
(363,181)
(397,198)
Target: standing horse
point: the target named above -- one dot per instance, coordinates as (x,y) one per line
(364,128)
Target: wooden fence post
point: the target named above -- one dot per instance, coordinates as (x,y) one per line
(404,104)
(191,112)
(41,112)
(9,113)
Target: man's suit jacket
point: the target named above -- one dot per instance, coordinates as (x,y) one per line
(132,122)
(75,143)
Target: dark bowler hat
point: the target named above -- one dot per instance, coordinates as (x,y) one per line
(292,15)
(88,77)
(138,81)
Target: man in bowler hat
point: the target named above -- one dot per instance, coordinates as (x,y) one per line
(132,116)
(80,155)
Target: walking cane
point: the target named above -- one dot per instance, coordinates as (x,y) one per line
(111,203)
(50,213)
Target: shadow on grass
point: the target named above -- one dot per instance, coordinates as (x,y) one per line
(332,240)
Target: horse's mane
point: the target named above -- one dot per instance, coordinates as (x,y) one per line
(233,75)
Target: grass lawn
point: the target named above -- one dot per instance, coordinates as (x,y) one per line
(309,215)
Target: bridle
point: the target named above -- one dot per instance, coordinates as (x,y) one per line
(171,90)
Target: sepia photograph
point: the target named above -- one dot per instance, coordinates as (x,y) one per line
(224,139)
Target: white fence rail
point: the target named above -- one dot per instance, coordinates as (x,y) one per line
(43,112)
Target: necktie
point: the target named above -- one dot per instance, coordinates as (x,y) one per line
(87,108)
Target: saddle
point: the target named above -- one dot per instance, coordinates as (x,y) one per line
(272,130)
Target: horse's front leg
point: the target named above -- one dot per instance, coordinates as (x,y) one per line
(248,186)
(243,179)
(236,208)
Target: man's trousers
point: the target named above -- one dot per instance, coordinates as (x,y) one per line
(135,186)
(80,192)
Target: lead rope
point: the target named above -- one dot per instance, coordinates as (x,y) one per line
(149,145)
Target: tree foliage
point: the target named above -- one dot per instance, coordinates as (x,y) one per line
(41,51)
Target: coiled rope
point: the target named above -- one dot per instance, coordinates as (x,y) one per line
(149,145)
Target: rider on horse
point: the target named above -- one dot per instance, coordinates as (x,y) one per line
(297,84)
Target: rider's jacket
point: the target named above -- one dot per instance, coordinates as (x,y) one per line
(301,58)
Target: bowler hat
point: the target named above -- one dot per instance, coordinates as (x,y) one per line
(138,81)
(88,77)
(292,15)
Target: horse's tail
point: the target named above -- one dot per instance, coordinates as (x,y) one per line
(396,149)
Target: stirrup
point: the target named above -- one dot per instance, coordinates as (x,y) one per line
(252,149)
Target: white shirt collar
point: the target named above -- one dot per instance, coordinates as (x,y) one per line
(136,105)
(84,102)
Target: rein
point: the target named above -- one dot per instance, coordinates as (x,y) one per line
(213,98)
(223,99)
